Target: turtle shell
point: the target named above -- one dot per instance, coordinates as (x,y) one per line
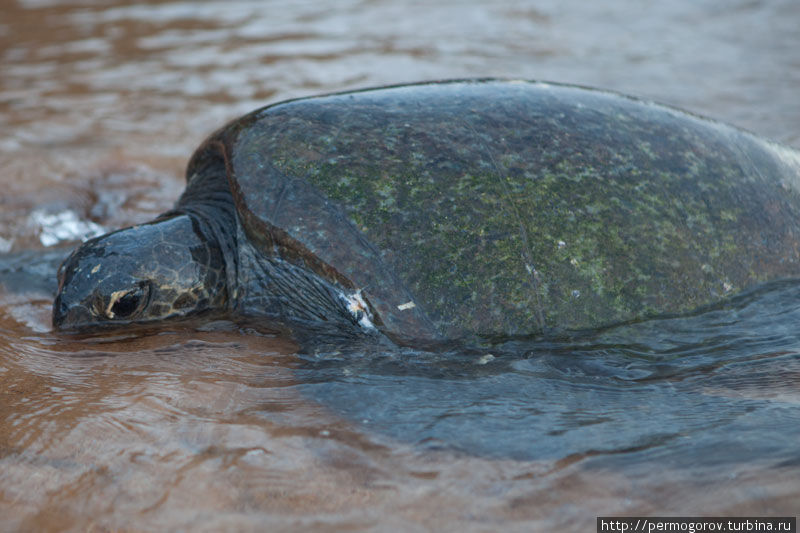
(491,207)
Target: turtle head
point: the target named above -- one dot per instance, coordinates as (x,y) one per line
(144,273)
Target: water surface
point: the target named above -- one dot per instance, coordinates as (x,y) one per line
(206,426)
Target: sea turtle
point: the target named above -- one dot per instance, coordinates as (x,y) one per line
(466,209)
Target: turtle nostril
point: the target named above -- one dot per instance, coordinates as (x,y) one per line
(67,317)
(59,310)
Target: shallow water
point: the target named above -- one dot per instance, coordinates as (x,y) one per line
(224,425)
(671,390)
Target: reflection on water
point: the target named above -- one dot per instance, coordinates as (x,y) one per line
(155,425)
(224,426)
(672,391)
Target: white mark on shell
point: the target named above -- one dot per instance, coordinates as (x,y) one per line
(407,305)
(484,359)
(727,287)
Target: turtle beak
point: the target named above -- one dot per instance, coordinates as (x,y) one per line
(69,317)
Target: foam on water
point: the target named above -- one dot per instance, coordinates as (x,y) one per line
(64,226)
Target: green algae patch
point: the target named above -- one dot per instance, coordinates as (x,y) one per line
(502,208)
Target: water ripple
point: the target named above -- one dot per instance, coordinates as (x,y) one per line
(646,390)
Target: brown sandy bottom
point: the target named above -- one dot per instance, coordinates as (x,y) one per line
(205,430)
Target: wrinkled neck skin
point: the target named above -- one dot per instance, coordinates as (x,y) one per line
(313,308)
(263,284)
(197,258)
(260,282)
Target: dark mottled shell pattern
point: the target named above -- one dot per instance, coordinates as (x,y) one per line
(509,207)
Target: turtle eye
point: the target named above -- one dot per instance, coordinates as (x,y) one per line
(124,304)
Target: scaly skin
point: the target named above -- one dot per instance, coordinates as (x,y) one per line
(166,268)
